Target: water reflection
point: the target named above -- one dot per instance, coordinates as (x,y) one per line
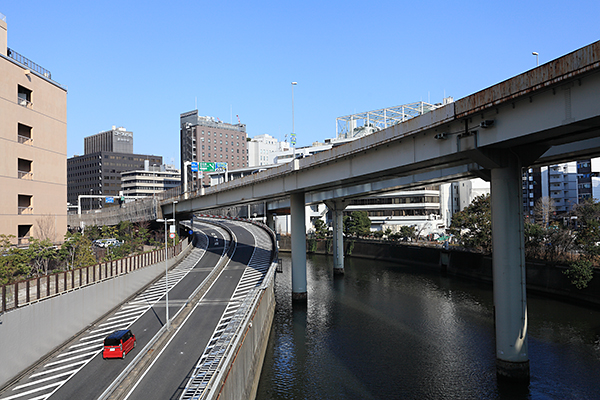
(385,331)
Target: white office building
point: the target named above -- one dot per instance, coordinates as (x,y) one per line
(263,148)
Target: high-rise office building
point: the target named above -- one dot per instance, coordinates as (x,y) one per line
(98,172)
(117,140)
(207,139)
(33,132)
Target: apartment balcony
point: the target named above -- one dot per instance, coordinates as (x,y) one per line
(27,175)
(559,202)
(25,140)
(24,102)
(25,210)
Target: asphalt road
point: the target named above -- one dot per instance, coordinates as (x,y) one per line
(78,371)
(167,377)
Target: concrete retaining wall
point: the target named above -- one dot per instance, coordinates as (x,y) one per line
(242,379)
(29,333)
(542,278)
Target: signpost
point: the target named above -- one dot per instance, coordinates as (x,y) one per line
(109,200)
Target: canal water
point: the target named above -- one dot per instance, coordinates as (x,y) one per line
(391,331)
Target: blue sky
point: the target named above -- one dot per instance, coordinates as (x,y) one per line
(140,64)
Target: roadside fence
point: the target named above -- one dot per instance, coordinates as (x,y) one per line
(25,292)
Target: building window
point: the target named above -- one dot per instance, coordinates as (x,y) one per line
(25,205)
(24,169)
(24,134)
(24,231)
(24,96)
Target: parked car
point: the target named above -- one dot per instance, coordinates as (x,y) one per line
(106,242)
(118,344)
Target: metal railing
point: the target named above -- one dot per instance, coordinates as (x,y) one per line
(28,63)
(21,293)
(25,175)
(25,140)
(25,210)
(24,102)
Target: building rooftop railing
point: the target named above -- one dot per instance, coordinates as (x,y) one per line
(28,63)
(2,17)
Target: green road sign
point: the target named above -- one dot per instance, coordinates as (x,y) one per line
(206,166)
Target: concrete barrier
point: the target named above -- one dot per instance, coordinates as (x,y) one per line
(30,333)
(241,378)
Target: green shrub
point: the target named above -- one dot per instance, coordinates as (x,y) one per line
(580,273)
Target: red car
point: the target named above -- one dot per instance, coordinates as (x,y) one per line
(118,344)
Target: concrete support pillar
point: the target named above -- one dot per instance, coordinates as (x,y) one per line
(508,259)
(298,212)
(337,210)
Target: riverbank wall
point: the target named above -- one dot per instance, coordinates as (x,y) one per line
(542,278)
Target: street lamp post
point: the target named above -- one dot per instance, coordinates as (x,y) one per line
(293,132)
(537,58)
(166,221)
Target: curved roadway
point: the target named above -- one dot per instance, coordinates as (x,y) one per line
(77,371)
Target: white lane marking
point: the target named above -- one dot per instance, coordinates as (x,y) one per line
(87,343)
(16,396)
(49,371)
(35,382)
(93,353)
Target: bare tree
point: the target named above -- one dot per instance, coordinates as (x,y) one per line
(543,211)
(45,228)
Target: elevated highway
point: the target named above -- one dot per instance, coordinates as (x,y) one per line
(546,115)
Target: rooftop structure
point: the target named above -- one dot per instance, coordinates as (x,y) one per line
(117,140)
(356,125)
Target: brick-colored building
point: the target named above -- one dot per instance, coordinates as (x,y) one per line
(206,139)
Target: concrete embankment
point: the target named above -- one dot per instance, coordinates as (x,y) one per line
(542,278)
(243,374)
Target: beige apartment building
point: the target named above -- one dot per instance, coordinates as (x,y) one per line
(33,149)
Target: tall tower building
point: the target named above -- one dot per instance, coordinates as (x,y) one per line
(33,153)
